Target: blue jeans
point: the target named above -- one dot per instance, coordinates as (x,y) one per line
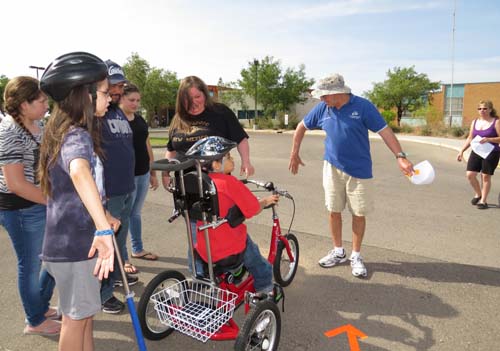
(26,228)
(138,197)
(119,207)
(259,267)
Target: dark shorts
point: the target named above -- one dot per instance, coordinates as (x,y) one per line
(485,165)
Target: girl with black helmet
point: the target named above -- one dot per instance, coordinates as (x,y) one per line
(22,204)
(72,178)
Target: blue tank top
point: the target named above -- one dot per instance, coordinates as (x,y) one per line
(489,132)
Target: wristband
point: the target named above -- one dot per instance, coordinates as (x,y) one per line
(104,232)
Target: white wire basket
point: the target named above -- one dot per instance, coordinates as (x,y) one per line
(194,308)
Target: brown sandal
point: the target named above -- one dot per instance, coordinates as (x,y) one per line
(47,328)
(130,268)
(148,256)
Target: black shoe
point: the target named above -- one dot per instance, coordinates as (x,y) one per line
(132,280)
(113,306)
(482,206)
(475,200)
(275,296)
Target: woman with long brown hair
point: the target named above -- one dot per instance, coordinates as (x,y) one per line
(197,116)
(22,204)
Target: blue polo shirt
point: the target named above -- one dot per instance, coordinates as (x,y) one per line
(347,146)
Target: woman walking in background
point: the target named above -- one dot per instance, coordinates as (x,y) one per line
(22,204)
(486,126)
(144,176)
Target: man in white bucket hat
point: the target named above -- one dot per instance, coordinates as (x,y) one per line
(347,168)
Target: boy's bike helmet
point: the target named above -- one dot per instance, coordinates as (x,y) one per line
(210,148)
(69,71)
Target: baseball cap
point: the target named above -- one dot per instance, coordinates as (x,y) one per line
(115,73)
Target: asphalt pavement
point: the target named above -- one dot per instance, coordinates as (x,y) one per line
(409,301)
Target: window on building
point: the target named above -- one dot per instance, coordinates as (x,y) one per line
(454,100)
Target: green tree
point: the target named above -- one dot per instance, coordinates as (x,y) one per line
(404,89)
(160,91)
(158,86)
(293,85)
(276,90)
(136,70)
(3,82)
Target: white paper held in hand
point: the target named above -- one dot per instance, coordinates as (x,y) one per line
(482,150)
(424,173)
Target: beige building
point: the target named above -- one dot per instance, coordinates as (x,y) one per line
(463,100)
(246,111)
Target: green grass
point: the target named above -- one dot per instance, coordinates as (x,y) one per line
(156,141)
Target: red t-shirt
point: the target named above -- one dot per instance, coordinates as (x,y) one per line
(226,241)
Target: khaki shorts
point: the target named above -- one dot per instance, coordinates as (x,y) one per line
(79,289)
(341,189)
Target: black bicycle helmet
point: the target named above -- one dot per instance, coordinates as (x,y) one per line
(69,71)
(210,148)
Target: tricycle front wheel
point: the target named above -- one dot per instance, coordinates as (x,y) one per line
(283,268)
(261,330)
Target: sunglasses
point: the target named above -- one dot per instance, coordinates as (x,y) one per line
(482,108)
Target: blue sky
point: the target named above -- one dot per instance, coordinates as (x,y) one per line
(360,39)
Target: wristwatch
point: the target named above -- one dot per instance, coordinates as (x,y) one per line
(401,154)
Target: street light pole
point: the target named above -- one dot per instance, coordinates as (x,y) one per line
(37,68)
(256,64)
(452,64)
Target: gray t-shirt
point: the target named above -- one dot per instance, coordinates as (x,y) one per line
(70,229)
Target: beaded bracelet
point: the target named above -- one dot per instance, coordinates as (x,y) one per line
(104,232)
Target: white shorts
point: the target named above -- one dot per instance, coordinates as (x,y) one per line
(79,289)
(341,189)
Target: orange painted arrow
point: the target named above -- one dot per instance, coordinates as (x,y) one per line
(352,335)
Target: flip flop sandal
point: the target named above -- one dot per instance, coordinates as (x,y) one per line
(148,256)
(130,268)
(53,314)
(48,330)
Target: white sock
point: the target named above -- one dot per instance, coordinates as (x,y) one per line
(355,254)
(338,250)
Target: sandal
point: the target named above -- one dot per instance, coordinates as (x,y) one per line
(47,328)
(130,268)
(482,206)
(145,255)
(53,314)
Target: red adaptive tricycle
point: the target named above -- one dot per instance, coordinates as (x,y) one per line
(202,307)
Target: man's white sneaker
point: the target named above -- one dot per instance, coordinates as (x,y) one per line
(358,267)
(332,259)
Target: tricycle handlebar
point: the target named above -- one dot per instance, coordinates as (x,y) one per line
(269,186)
